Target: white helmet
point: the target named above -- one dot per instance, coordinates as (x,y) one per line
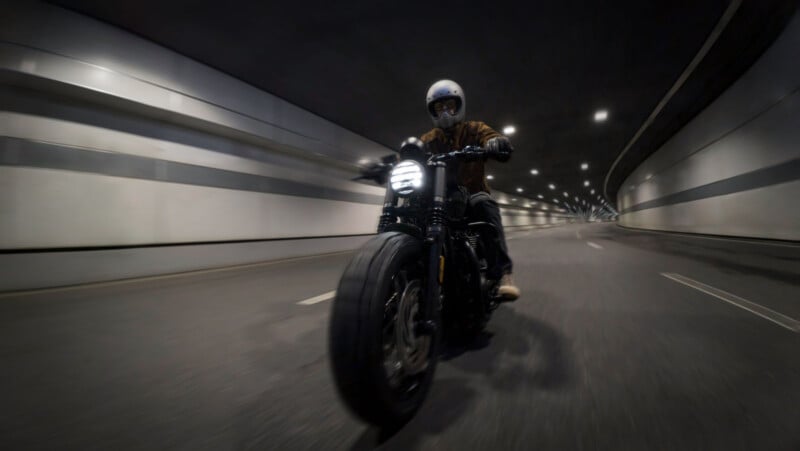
(441,91)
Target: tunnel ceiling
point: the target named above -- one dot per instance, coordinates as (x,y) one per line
(544,67)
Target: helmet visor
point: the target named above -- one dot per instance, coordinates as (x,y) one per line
(448,104)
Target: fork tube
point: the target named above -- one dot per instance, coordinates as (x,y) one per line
(433,237)
(388,215)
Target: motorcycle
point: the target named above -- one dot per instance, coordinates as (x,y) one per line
(423,275)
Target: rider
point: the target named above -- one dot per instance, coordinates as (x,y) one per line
(446,105)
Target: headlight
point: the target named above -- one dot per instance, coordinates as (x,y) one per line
(407,177)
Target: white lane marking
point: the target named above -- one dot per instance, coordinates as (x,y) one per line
(578,234)
(756,309)
(596,246)
(323,297)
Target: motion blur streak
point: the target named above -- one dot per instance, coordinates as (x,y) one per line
(601,350)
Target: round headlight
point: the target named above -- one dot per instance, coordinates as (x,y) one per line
(407,177)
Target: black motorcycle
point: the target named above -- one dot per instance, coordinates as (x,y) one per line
(423,275)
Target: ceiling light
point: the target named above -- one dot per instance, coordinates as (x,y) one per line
(514,199)
(555,200)
(586,183)
(566,194)
(584,166)
(364,161)
(551,186)
(600,115)
(540,196)
(535,171)
(576,198)
(489,177)
(591,192)
(509,130)
(519,190)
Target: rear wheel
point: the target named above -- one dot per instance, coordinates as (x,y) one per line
(382,366)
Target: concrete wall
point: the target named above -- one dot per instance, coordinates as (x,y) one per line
(735,169)
(119,158)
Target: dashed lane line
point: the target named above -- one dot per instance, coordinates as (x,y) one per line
(756,309)
(316,299)
(594,245)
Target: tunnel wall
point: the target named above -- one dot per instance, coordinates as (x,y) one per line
(735,169)
(120,158)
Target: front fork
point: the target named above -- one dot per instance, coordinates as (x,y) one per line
(388,216)
(434,238)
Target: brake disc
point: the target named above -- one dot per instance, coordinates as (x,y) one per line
(412,349)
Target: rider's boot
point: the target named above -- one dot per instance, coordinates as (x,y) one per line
(506,290)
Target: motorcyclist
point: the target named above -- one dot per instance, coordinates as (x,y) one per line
(446,105)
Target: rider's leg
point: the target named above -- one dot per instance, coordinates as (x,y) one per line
(483,208)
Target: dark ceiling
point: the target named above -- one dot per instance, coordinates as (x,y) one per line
(542,66)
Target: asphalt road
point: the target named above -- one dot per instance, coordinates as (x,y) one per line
(620,341)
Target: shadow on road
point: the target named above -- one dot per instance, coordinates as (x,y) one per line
(521,351)
(516,353)
(447,401)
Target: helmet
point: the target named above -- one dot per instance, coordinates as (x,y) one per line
(446,114)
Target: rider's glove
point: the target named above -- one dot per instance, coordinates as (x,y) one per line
(499,148)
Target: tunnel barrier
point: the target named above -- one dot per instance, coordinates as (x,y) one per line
(734,170)
(120,158)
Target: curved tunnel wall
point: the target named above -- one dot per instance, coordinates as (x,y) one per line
(119,158)
(735,169)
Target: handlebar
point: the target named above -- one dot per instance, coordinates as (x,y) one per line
(379,172)
(468,152)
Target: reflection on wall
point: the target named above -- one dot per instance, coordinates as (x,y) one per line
(735,169)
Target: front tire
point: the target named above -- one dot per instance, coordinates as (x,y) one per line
(377,298)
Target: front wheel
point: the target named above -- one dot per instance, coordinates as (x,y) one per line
(381,365)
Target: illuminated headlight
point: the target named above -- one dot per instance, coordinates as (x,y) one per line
(407,177)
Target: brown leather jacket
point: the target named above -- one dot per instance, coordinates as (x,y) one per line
(470,133)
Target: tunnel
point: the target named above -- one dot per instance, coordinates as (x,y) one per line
(183,196)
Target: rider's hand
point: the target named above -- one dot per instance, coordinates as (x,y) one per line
(499,148)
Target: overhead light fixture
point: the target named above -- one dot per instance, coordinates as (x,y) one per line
(535,171)
(514,199)
(555,200)
(576,198)
(591,192)
(566,194)
(586,183)
(364,161)
(519,190)
(540,196)
(509,130)
(600,115)
(551,186)
(584,166)
(489,177)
